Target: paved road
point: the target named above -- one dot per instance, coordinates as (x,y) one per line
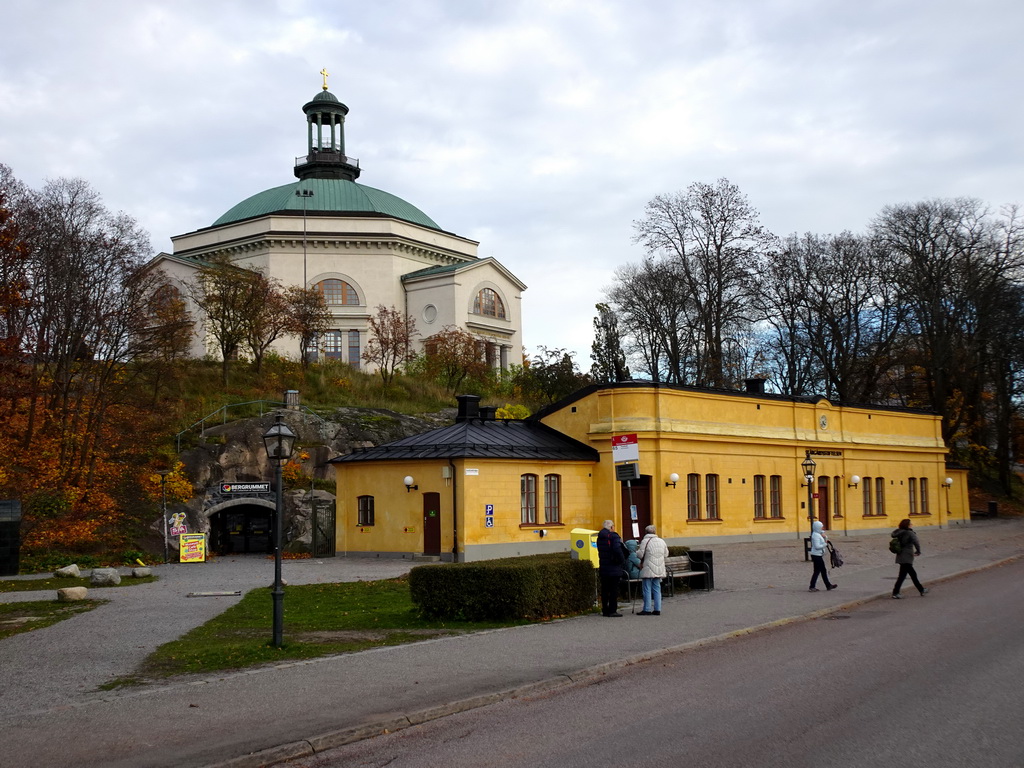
(51,712)
(922,683)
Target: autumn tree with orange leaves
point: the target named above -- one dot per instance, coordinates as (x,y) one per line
(77,336)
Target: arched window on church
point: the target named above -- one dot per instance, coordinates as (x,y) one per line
(338,292)
(489,303)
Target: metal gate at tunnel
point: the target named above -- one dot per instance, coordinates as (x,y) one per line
(324,522)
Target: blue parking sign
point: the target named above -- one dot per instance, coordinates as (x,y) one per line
(488,509)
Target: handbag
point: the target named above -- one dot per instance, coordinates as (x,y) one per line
(834,557)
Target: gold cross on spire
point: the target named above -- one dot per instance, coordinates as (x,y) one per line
(325,73)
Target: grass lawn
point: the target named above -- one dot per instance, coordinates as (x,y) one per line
(319,620)
(23,617)
(54,583)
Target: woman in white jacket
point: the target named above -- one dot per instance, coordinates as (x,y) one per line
(818,543)
(652,551)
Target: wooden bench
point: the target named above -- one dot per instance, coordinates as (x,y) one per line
(680,567)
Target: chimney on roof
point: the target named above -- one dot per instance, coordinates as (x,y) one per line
(755,386)
(488,412)
(469,407)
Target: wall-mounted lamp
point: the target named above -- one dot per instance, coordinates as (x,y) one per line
(408,480)
(672,480)
(854,482)
(947,482)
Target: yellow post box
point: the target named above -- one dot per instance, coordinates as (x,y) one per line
(584,545)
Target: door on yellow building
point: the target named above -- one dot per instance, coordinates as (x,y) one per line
(824,483)
(431,523)
(635,493)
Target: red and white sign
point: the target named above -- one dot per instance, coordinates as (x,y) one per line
(625,448)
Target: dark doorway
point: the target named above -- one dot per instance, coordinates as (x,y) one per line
(824,483)
(324,527)
(431,523)
(241,530)
(635,493)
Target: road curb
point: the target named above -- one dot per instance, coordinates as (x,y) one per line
(272,756)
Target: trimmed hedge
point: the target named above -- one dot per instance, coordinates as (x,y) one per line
(532,587)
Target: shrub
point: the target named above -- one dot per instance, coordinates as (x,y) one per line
(532,587)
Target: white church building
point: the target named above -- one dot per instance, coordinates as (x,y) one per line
(361,247)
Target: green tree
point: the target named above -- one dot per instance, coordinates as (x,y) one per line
(551,375)
(609,359)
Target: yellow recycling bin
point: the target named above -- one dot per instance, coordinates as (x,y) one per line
(584,545)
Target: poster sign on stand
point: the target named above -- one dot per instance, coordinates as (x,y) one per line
(192,548)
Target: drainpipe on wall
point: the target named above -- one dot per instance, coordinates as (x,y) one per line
(455,516)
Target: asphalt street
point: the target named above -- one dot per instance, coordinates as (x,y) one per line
(919,683)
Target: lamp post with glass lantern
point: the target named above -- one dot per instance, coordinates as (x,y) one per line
(808,467)
(279,441)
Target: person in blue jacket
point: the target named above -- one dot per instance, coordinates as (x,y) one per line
(611,557)
(633,563)
(818,544)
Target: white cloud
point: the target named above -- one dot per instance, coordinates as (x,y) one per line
(540,128)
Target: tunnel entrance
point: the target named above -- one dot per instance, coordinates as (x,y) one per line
(242,529)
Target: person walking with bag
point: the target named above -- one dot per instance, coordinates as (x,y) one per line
(818,544)
(910,547)
(652,551)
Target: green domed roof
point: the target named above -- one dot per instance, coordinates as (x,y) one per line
(338,196)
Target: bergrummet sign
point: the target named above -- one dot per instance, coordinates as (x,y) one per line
(245,487)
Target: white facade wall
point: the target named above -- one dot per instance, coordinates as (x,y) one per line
(371,254)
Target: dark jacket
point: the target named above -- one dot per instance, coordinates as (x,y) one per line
(910,546)
(611,554)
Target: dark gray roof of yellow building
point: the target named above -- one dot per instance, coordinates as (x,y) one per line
(476,434)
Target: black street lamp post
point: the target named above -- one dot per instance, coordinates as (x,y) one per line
(163,511)
(279,441)
(809,466)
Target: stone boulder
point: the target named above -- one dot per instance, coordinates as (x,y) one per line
(71,594)
(141,573)
(68,572)
(105,577)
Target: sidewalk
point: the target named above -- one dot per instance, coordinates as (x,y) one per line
(52,714)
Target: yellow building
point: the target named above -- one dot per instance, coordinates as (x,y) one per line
(703,465)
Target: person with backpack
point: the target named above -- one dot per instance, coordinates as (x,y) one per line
(653,551)
(818,544)
(632,566)
(907,546)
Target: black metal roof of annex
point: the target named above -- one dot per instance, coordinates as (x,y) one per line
(478,435)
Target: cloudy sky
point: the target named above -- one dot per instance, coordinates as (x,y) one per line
(540,129)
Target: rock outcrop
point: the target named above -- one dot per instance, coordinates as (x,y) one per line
(234,453)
